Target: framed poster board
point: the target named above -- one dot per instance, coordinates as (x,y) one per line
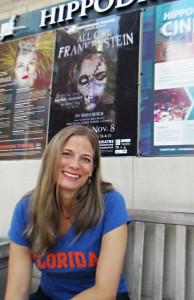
(95,78)
(167,92)
(25,78)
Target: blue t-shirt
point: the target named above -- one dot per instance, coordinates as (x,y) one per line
(71,268)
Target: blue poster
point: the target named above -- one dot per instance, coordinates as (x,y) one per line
(167,83)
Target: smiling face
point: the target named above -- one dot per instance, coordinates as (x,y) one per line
(25,68)
(76,164)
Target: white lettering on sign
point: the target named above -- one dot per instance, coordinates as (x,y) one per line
(64,12)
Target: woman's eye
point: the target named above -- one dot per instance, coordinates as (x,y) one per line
(18,66)
(85,159)
(66,154)
(32,63)
(83,80)
(100,76)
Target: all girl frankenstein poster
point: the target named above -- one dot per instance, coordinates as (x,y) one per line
(95,77)
(25,77)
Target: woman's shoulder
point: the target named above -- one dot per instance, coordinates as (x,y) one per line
(24,201)
(23,204)
(20,221)
(114,199)
(115,213)
(113,195)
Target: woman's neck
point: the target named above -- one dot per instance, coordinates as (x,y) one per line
(67,201)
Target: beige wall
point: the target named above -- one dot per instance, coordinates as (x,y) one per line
(146,183)
(159,183)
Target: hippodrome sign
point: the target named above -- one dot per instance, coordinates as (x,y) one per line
(64,12)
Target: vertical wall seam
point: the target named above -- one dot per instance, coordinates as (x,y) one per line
(133,181)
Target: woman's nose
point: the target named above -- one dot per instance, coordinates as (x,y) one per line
(74,163)
(26,68)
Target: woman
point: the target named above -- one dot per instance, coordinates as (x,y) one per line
(26,65)
(29,60)
(73,226)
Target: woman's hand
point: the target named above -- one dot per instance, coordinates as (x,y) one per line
(19,273)
(109,266)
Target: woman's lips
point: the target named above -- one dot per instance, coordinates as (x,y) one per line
(25,77)
(70,174)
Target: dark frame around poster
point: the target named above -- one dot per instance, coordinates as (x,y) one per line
(95,81)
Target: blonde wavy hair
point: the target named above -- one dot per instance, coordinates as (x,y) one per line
(44,206)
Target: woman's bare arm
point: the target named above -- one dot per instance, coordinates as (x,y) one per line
(19,273)
(109,267)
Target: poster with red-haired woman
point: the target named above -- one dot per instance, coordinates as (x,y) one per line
(25,78)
